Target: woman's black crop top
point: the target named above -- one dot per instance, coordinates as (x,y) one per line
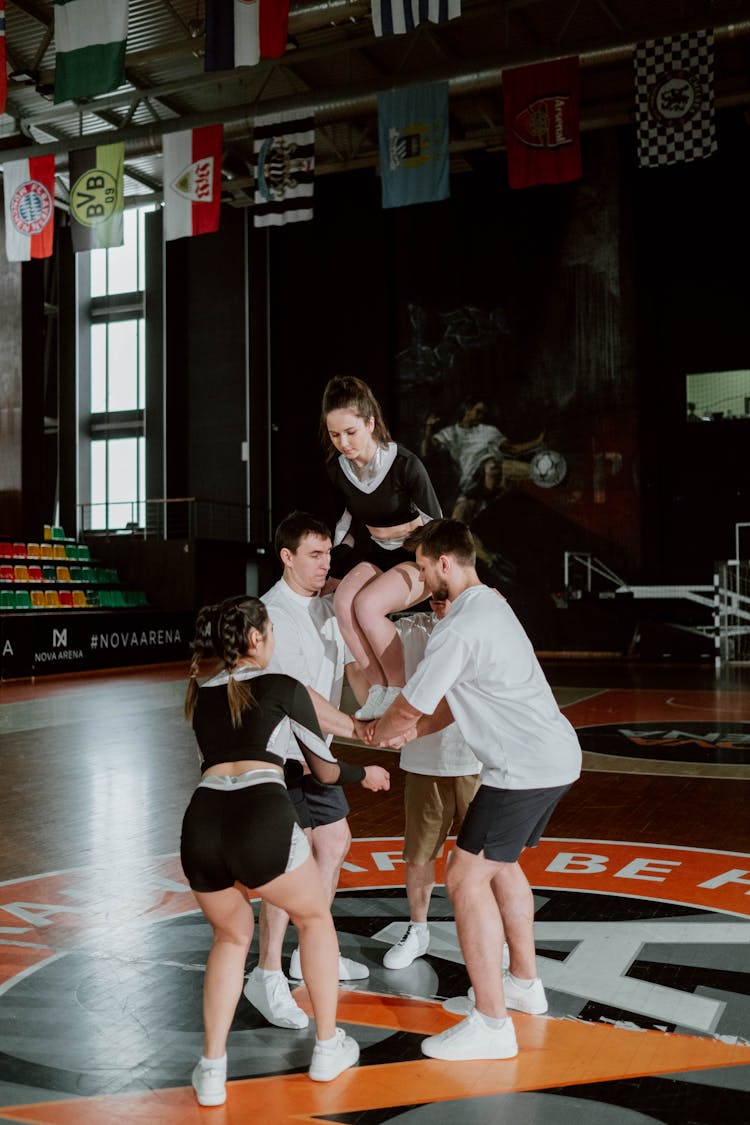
(405,491)
(261,736)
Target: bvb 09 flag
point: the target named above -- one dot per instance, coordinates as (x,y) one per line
(192,181)
(90,44)
(674,92)
(96,197)
(541,114)
(284,147)
(414,144)
(29,189)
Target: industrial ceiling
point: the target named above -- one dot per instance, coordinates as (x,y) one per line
(334,67)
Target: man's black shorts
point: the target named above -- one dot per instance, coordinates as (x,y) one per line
(502,822)
(314,803)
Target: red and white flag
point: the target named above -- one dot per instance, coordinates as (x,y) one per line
(542,129)
(192,181)
(3,68)
(29,189)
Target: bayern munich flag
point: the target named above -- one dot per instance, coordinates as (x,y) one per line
(192,181)
(29,188)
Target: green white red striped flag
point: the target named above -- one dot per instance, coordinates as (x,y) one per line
(90,40)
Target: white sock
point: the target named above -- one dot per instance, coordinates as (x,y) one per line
(328,1044)
(492,1023)
(266,973)
(521,982)
(213,1064)
(420,927)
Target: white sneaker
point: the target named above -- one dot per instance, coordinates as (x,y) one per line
(532,999)
(271,996)
(413,944)
(472,1039)
(370,709)
(209,1084)
(505,959)
(348,969)
(328,1062)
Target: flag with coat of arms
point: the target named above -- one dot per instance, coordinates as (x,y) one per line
(192,181)
(29,190)
(284,151)
(674,98)
(542,128)
(414,144)
(396,17)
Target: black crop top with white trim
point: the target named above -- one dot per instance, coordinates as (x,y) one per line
(280,702)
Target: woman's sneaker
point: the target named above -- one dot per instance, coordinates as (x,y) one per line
(209,1083)
(328,1062)
(371,708)
(413,944)
(270,994)
(472,1039)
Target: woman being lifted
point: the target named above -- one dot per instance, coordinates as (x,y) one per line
(387,495)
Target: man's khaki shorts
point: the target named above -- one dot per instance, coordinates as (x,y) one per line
(433,806)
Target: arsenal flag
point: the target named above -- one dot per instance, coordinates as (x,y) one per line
(29,189)
(542,134)
(192,181)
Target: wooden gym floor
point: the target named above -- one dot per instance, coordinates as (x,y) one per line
(642,888)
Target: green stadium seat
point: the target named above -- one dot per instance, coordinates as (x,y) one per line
(92,598)
(57,532)
(23,600)
(49,574)
(84,554)
(7,599)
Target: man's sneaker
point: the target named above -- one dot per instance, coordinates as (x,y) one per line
(532,999)
(370,709)
(348,969)
(472,1039)
(328,1062)
(209,1084)
(271,996)
(412,945)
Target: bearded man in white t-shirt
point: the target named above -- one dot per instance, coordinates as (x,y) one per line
(480,670)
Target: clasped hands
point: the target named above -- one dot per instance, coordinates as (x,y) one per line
(366,730)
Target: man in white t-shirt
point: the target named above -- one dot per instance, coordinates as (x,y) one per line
(442,776)
(309,647)
(480,670)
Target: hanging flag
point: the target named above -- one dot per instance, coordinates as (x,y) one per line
(394,17)
(96,196)
(242,32)
(90,43)
(542,131)
(284,147)
(674,99)
(192,181)
(414,144)
(3,68)
(29,189)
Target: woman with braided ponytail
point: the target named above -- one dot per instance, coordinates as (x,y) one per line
(240,829)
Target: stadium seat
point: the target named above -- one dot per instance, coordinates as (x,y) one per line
(63,574)
(66,599)
(49,574)
(21,573)
(84,554)
(47,531)
(71,551)
(37,599)
(19,550)
(57,532)
(79,599)
(51,599)
(35,574)
(6,551)
(59,552)
(45,550)
(7,599)
(6,573)
(92,598)
(76,574)
(23,600)
(32,550)
(88,574)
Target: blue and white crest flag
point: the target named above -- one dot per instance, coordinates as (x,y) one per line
(414,144)
(674,99)
(284,147)
(396,17)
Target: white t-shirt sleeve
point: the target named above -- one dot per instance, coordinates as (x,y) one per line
(289,654)
(447,660)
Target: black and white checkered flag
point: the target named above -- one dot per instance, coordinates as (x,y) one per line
(674,94)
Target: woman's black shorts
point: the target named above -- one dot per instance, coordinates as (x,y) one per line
(247,835)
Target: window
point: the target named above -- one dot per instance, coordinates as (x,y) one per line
(117,383)
(715,396)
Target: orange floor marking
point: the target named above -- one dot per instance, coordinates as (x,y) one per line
(552,1053)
